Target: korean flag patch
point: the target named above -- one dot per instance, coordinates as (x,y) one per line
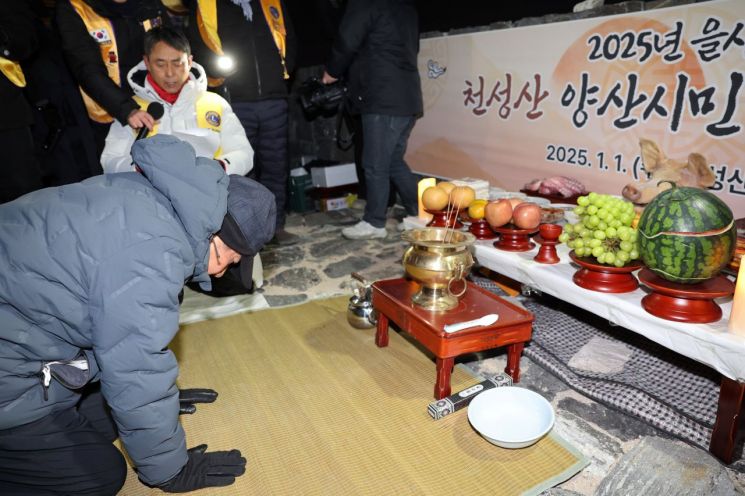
(101,35)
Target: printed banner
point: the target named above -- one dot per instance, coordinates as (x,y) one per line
(575,98)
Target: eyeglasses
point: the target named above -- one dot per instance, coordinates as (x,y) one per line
(217,252)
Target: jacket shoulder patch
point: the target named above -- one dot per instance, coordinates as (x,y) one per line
(213,118)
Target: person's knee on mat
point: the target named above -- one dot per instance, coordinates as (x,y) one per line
(86,469)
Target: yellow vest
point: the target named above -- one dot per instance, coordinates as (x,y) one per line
(209,114)
(13,72)
(102,31)
(207,24)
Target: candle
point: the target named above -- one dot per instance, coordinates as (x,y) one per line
(737,316)
(424,184)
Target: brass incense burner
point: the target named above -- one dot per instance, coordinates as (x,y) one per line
(439,259)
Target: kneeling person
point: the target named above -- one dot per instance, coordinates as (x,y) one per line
(88,306)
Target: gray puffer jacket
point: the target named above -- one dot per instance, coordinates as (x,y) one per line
(96,268)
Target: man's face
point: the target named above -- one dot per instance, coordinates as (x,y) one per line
(168,66)
(221,257)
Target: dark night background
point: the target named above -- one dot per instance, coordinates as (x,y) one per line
(316,20)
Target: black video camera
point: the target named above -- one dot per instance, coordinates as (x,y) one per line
(319,98)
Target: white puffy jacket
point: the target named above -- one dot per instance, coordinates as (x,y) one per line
(180,120)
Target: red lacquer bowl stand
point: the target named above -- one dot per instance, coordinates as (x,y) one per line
(548,239)
(481,229)
(692,303)
(444,218)
(514,239)
(604,278)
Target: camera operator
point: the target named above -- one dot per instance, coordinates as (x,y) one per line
(376,47)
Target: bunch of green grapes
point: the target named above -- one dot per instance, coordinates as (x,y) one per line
(604,230)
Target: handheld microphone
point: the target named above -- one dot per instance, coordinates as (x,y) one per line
(156,110)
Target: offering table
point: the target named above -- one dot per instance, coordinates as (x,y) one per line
(710,344)
(392,299)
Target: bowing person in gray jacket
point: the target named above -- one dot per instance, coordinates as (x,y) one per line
(91,276)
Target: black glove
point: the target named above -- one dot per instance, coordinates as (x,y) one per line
(187,398)
(218,468)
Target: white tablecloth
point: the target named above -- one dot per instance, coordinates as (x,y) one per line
(710,344)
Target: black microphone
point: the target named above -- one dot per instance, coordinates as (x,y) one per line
(156,110)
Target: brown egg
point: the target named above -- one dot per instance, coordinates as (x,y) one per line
(434,198)
(498,213)
(462,196)
(526,215)
(446,186)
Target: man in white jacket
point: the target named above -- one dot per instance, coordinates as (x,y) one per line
(169,76)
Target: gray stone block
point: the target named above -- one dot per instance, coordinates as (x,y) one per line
(557,491)
(469,29)
(661,466)
(501,25)
(529,21)
(659,4)
(623,7)
(431,34)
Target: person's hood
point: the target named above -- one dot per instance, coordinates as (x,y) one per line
(196,187)
(193,88)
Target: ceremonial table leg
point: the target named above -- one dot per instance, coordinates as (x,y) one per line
(442,384)
(730,421)
(514,351)
(381,336)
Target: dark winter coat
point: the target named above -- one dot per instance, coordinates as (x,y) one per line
(17,43)
(376,48)
(259,73)
(97,267)
(84,57)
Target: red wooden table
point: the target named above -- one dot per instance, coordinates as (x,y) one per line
(392,299)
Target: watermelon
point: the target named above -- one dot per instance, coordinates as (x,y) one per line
(686,235)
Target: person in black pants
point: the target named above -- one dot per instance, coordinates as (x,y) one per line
(19,170)
(61,443)
(377,47)
(260,39)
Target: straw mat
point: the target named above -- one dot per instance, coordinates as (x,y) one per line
(318,409)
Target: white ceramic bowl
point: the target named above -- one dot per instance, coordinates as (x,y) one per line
(511,417)
(498,195)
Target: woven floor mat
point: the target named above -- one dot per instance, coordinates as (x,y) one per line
(622,369)
(318,409)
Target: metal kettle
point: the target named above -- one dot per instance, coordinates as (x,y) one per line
(360,311)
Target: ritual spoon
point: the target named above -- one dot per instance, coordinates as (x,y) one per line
(483,321)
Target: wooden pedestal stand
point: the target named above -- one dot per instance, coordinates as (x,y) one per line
(604,278)
(481,229)
(444,218)
(685,302)
(514,239)
(548,239)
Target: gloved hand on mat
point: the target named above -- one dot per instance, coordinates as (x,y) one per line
(218,468)
(187,398)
